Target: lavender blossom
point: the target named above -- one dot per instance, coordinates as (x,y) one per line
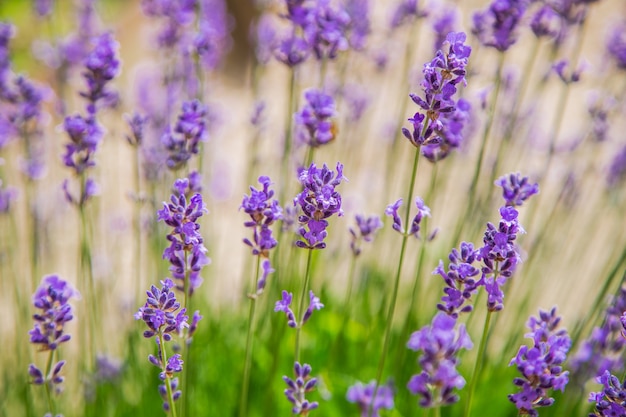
(422,211)
(292,50)
(43,8)
(102,66)
(516,189)
(326,30)
(318,200)
(190,130)
(314,304)
(616,45)
(459,279)
(546,22)
(162,313)
(7,196)
(213,40)
(263,212)
(443,24)
(362,395)
(298,387)
(496,26)
(267,270)
(405,12)
(359,27)
(452,132)
(284,305)
(611,401)
(137,123)
(367,227)
(617,169)
(440,344)
(186,252)
(441,76)
(540,365)
(313,123)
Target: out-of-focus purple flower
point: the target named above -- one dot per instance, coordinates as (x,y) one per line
(259,114)
(357,99)
(55,379)
(616,45)
(162,313)
(497,25)
(318,200)
(422,211)
(177,16)
(599,108)
(85,136)
(292,50)
(284,305)
(213,40)
(263,212)
(193,326)
(314,304)
(367,227)
(443,24)
(572,77)
(267,270)
(102,66)
(298,387)
(546,22)
(617,169)
(189,131)
(441,76)
(362,395)
(603,350)
(406,11)
(516,189)
(359,26)
(186,252)
(137,123)
(264,37)
(43,8)
(6,33)
(7,196)
(392,210)
(108,369)
(460,280)
(326,30)
(541,364)
(313,123)
(439,343)
(611,401)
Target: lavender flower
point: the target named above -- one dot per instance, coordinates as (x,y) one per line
(7,196)
(540,365)
(213,40)
(362,396)
(460,280)
(189,131)
(136,122)
(422,211)
(516,189)
(314,124)
(318,200)
(102,66)
(292,50)
(546,22)
(162,313)
(43,8)
(186,253)
(440,343)
(326,30)
(616,45)
(496,26)
(617,169)
(452,132)
(441,76)
(314,304)
(298,388)
(358,12)
(443,24)
(367,227)
(263,212)
(267,270)
(284,305)
(405,12)
(611,401)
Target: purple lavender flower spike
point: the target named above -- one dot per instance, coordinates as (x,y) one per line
(318,200)
(284,305)
(108,369)
(366,229)
(546,22)
(405,12)
(314,304)
(186,252)
(313,123)
(102,66)
(496,27)
(616,45)
(422,211)
(263,212)
(359,26)
(7,196)
(184,141)
(611,401)
(392,210)
(136,122)
(540,365)
(292,51)
(298,388)
(193,326)
(43,8)
(451,134)
(362,396)
(267,269)
(617,169)
(213,39)
(443,24)
(326,29)
(516,189)
(440,343)
(459,279)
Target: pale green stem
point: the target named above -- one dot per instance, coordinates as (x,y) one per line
(243,404)
(300,312)
(48,383)
(478,365)
(288,132)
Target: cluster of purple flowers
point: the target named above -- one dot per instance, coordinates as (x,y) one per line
(405,12)
(189,131)
(422,211)
(318,201)
(440,344)
(363,396)
(52,298)
(366,229)
(297,389)
(611,401)
(496,26)
(541,365)
(263,212)
(314,123)
(441,123)
(284,305)
(164,316)
(186,252)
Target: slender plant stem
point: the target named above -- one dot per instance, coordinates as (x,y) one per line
(288,131)
(168,382)
(477,365)
(243,404)
(300,312)
(48,383)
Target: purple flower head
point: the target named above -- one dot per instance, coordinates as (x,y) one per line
(263,212)
(392,210)
(193,326)
(213,39)
(162,313)
(441,76)
(574,76)
(102,66)
(263,34)
(136,122)
(496,27)
(422,211)
(439,343)
(314,304)
(318,200)
(54,378)
(7,196)
(284,305)
(451,133)
(611,401)
(443,24)
(85,136)
(326,30)
(184,141)
(174,365)
(292,51)
(616,45)
(366,229)
(43,8)
(298,387)
(267,270)
(460,280)
(516,189)
(313,123)
(541,364)
(186,252)
(546,22)
(362,395)
(52,297)
(405,12)
(617,169)
(359,27)
(108,369)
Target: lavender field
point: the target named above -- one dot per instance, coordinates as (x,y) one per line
(313,207)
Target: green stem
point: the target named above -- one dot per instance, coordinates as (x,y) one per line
(477,365)
(300,312)
(243,404)
(48,383)
(288,132)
